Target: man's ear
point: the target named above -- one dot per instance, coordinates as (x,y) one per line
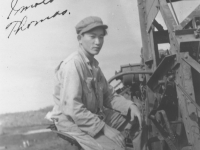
(79,38)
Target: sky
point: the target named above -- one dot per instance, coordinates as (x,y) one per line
(29,58)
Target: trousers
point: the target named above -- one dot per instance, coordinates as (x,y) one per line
(100,141)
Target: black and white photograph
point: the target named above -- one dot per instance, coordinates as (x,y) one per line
(100,74)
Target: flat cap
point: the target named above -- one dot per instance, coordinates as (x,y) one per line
(89,23)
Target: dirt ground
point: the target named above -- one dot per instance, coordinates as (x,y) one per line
(14,127)
(39,141)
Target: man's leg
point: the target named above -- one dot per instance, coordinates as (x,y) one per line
(121,123)
(107,143)
(100,141)
(86,141)
(115,120)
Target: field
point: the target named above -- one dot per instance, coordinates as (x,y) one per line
(14,128)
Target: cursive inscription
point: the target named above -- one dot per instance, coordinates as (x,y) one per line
(24,8)
(22,25)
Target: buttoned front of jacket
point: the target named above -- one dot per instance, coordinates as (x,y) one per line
(81,91)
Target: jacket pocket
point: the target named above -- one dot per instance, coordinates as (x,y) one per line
(88,95)
(100,93)
(89,84)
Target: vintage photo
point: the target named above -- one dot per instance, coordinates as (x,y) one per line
(100,75)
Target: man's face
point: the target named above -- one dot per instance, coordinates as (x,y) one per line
(92,41)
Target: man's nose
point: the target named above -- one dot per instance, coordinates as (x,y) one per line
(97,40)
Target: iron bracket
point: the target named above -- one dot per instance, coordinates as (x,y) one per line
(193,63)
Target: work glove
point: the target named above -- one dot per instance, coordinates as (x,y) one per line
(135,113)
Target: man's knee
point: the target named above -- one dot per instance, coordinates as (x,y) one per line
(114,118)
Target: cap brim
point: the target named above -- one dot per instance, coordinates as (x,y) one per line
(88,28)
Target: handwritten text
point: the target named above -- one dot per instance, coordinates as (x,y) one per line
(22,25)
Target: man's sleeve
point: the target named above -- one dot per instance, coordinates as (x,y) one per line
(115,101)
(71,101)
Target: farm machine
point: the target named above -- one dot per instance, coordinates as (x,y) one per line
(166,82)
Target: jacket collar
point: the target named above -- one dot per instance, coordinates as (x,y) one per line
(95,62)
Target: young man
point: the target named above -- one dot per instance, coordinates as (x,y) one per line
(85,106)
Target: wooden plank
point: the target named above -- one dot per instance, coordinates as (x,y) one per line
(152,13)
(161,70)
(149,4)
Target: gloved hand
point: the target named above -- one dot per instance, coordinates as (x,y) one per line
(135,112)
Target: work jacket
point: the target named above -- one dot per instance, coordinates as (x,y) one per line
(81,92)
